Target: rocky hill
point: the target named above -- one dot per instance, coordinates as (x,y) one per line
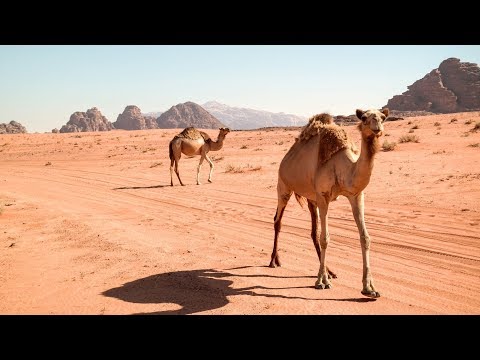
(453,87)
(133,119)
(12,127)
(246,119)
(188,114)
(92,120)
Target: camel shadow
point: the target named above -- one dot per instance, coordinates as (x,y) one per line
(141,187)
(193,290)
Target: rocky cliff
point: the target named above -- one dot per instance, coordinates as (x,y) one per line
(92,120)
(133,119)
(453,87)
(188,114)
(12,127)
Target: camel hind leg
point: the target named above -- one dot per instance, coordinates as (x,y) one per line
(283,196)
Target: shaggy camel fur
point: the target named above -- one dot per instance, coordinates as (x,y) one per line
(194,142)
(321,165)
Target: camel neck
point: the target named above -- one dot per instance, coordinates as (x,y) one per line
(365,162)
(217,145)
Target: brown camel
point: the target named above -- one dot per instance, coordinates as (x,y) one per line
(322,164)
(194,142)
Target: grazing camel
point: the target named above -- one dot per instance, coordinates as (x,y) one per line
(194,142)
(322,164)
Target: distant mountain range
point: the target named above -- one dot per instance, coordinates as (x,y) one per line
(245,119)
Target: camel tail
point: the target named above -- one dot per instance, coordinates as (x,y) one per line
(170,150)
(302,200)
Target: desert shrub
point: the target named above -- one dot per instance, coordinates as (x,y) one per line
(409,138)
(436,123)
(233,169)
(453,120)
(240,169)
(244,147)
(411,131)
(474,145)
(477,126)
(389,146)
(415,127)
(48,163)
(468,122)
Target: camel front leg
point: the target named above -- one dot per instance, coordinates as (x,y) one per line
(357,203)
(176,172)
(323,281)
(199,167)
(314,234)
(211,168)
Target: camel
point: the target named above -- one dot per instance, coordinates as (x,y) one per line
(194,142)
(321,165)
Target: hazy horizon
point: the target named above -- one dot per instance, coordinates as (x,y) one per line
(43,85)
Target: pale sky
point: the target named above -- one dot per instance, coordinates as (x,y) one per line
(41,86)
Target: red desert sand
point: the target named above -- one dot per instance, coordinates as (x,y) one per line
(89,224)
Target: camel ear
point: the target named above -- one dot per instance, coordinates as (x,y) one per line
(385,112)
(360,113)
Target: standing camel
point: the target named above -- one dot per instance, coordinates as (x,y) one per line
(322,164)
(194,142)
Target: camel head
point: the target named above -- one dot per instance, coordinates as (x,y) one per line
(372,121)
(223,132)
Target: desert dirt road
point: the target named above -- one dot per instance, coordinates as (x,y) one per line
(89,224)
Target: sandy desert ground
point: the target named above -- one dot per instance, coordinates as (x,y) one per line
(89,224)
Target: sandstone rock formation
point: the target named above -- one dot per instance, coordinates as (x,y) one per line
(188,114)
(133,119)
(453,87)
(12,128)
(92,120)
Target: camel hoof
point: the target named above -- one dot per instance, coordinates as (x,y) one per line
(321,286)
(209,180)
(371,294)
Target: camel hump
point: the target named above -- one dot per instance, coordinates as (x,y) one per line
(190,133)
(332,138)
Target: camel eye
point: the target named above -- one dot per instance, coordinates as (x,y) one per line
(364,117)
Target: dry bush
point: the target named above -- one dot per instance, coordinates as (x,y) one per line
(439,152)
(415,127)
(468,122)
(409,138)
(156,164)
(48,163)
(215,158)
(477,126)
(233,169)
(474,145)
(453,120)
(409,122)
(240,169)
(411,131)
(436,123)
(389,146)
(244,147)
(386,134)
